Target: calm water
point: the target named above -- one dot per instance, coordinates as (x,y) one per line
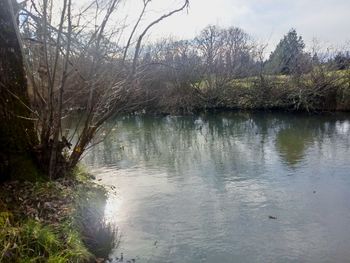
(201,189)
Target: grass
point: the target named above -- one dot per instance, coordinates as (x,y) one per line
(313,91)
(32,241)
(58,221)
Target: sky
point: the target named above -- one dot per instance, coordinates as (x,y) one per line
(267,21)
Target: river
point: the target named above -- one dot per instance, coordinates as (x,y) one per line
(228,187)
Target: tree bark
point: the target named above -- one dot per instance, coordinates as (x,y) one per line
(17,134)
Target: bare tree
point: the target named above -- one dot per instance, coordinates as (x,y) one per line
(74,56)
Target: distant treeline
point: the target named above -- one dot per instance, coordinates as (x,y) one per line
(223,68)
(227,69)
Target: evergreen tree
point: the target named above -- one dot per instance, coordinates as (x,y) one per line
(289,56)
(342,61)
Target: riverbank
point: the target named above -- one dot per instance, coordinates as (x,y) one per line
(56,221)
(317,91)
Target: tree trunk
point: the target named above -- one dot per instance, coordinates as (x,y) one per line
(17,134)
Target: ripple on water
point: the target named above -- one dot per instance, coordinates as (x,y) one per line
(204,189)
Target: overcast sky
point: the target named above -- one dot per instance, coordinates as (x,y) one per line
(265,20)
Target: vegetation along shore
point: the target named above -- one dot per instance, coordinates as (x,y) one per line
(60,56)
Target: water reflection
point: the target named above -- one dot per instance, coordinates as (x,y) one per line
(201,188)
(226,139)
(293,141)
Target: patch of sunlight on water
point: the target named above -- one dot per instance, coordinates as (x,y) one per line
(112,209)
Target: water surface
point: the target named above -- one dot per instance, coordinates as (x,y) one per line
(202,189)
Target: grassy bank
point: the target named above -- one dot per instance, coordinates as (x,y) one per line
(58,221)
(317,91)
(320,90)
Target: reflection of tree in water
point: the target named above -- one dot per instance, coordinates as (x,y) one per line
(299,132)
(231,143)
(292,143)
